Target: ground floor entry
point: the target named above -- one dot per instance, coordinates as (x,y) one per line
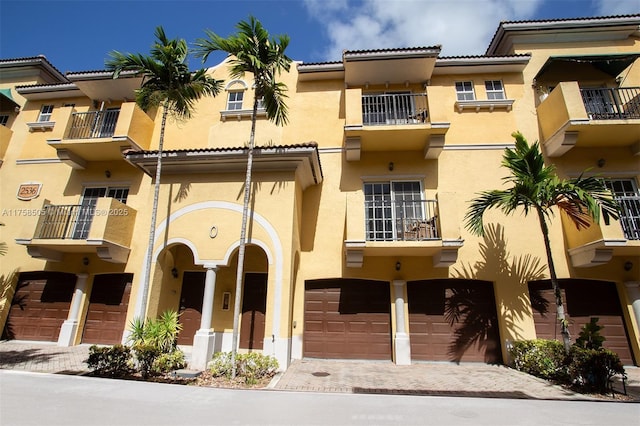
(40,305)
(347,319)
(583,300)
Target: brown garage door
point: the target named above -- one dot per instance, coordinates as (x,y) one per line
(40,306)
(107,313)
(453,320)
(347,319)
(583,299)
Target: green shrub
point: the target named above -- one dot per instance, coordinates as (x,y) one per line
(110,361)
(254,366)
(594,369)
(250,367)
(161,333)
(220,364)
(541,358)
(590,337)
(145,357)
(165,363)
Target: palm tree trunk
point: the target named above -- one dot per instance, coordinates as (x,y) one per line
(154,214)
(566,338)
(243,241)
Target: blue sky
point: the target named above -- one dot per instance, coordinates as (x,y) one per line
(77,35)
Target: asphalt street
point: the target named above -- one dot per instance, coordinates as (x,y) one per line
(48,399)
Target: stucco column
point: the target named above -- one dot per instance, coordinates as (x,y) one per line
(203,341)
(402,344)
(69,328)
(633,293)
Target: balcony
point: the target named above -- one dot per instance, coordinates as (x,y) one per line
(572,117)
(597,244)
(104,229)
(80,137)
(409,228)
(390,122)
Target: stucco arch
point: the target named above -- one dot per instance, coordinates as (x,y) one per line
(272,248)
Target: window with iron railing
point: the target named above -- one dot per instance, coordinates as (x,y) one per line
(394,108)
(612,103)
(94,124)
(625,192)
(397,211)
(74,221)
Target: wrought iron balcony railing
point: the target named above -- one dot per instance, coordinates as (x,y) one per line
(612,103)
(408,220)
(630,216)
(65,222)
(93,124)
(385,109)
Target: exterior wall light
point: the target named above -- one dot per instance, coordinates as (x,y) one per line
(391,166)
(174,272)
(398,265)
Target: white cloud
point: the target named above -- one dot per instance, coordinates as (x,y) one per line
(462,27)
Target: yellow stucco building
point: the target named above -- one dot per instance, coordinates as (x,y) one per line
(356,241)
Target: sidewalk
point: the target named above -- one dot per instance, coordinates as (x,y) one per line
(441,379)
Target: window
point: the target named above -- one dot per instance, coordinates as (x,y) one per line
(45,113)
(235,101)
(397,211)
(464,91)
(494,89)
(4,119)
(88,203)
(625,192)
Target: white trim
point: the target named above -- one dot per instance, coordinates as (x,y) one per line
(479,147)
(38,161)
(393,178)
(232,82)
(337,150)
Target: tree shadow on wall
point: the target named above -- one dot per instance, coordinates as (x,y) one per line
(9,291)
(510,275)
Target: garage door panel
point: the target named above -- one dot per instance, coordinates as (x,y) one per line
(354,322)
(433,338)
(40,306)
(583,299)
(108,304)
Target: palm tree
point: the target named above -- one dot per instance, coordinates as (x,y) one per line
(536,187)
(252,51)
(167,83)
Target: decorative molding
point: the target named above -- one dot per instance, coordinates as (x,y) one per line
(479,147)
(30,161)
(489,104)
(41,125)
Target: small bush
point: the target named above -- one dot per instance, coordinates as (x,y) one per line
(110,361)
(220,364)
(593,369)
(254,366)
(169,362)
(590,337)
(250,367)
(541,358)
(146,355)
